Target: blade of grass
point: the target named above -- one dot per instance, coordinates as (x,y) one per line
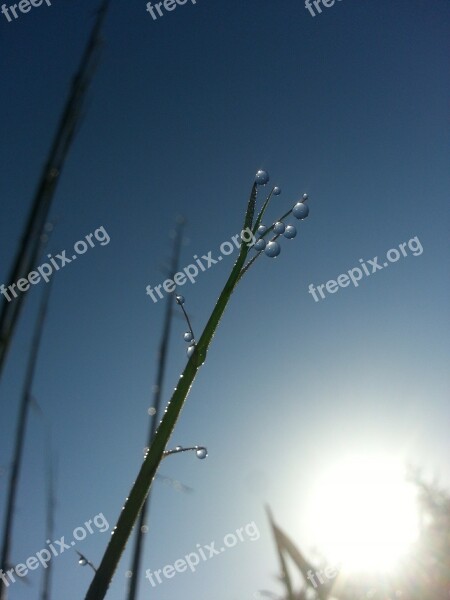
(162,362)
(284,571)
(141,487)
(19,445)
(287,546)
(29,247)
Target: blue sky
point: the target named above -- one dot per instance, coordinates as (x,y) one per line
(350,106)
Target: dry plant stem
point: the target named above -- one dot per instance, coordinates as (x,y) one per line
(141,487)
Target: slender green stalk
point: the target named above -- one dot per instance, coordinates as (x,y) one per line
(140,489)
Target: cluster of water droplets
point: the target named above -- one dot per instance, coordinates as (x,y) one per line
(300,211)
(188,336)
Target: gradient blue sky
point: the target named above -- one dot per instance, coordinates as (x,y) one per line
(350,106)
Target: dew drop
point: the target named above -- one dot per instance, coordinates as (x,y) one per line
(178,448)
(276,191)
(144,528)
(190,350)
(261,177)
(261,230)
(129,574)
(305,197)
(272,249)
(300,210)
(260,245)
(151,411)
(179,299)
(201,453)
(290,232)
(82,561)
(188,336)
(279,228)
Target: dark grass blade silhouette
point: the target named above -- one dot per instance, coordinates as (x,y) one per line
(285,546)
(25,405)
(284,571)
(162,361)
(50,516)
(28,250)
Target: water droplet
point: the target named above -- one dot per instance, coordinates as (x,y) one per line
(272,249)
(145,450)
(290,232)
(261,230)
(178,448)
(188,336)
(179,299)
(190,350)
(144,528)
(276,191)
(279,228)
(305,197)
(300,210)
(261,177)
(260,245)
(129,574)
(151,411)
(201,453)
(82,561)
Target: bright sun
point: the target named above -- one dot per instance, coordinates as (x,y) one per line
(363,514)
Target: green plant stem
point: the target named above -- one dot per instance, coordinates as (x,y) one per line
(141,487)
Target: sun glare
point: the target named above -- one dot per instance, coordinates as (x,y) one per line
(363,514)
